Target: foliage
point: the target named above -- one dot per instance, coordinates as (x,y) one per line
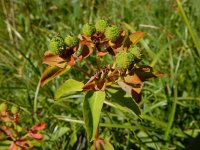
(170,105)
(13,135)
(126,72)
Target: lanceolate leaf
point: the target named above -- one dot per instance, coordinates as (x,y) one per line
(136,36)
(92,106)
(107,145)
(70,85)
(51,72)
(119,96)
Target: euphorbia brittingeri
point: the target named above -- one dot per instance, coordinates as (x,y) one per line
(106,78)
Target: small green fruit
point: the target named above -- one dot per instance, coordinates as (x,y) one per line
(71,41)
(3,107)
(14,110)
(136,52)
(57,45)
(112,33)
(101,25)
(88,29)
(124,60)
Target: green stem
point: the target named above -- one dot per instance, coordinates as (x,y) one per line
(189,27)
(174,71)
(35,101)
(172,113)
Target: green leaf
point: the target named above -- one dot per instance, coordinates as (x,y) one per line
(59,133)
(51,72)
(119,96)
(92,106)
(70,85)
(107,145)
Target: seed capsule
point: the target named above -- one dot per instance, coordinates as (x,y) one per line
(101,25)
(135,51)
(124,60)
(71,41)
(57,45)
(112,33)
(88,29)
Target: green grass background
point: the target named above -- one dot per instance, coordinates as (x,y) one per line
(170,105)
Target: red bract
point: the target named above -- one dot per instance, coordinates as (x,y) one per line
(36,136)
(33,131)
(13,146)
(39,126)
(12,131)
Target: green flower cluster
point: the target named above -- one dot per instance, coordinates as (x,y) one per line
(3,107)
(127,58)
(124,60)
(71,41)
(102,26)
(14,109)
(112,33)
(57,45)
(88,29)
(135,51)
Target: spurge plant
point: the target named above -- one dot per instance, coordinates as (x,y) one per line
(123,76)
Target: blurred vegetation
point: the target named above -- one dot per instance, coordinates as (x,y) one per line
(170,104)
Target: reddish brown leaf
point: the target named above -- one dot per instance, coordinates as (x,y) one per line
(71,61)
(51,72)
(13,146)
(39,126)
(53,60)
(136,93)
(136,36)
(87,49)
(133,79)
(144,72)
(90,85)
(24,144)
(4,116)
(36,136)
(8,131)
(118,46)
(101,54)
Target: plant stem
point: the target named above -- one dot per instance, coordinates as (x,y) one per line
(189,27)
(174,71)
(35,101)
